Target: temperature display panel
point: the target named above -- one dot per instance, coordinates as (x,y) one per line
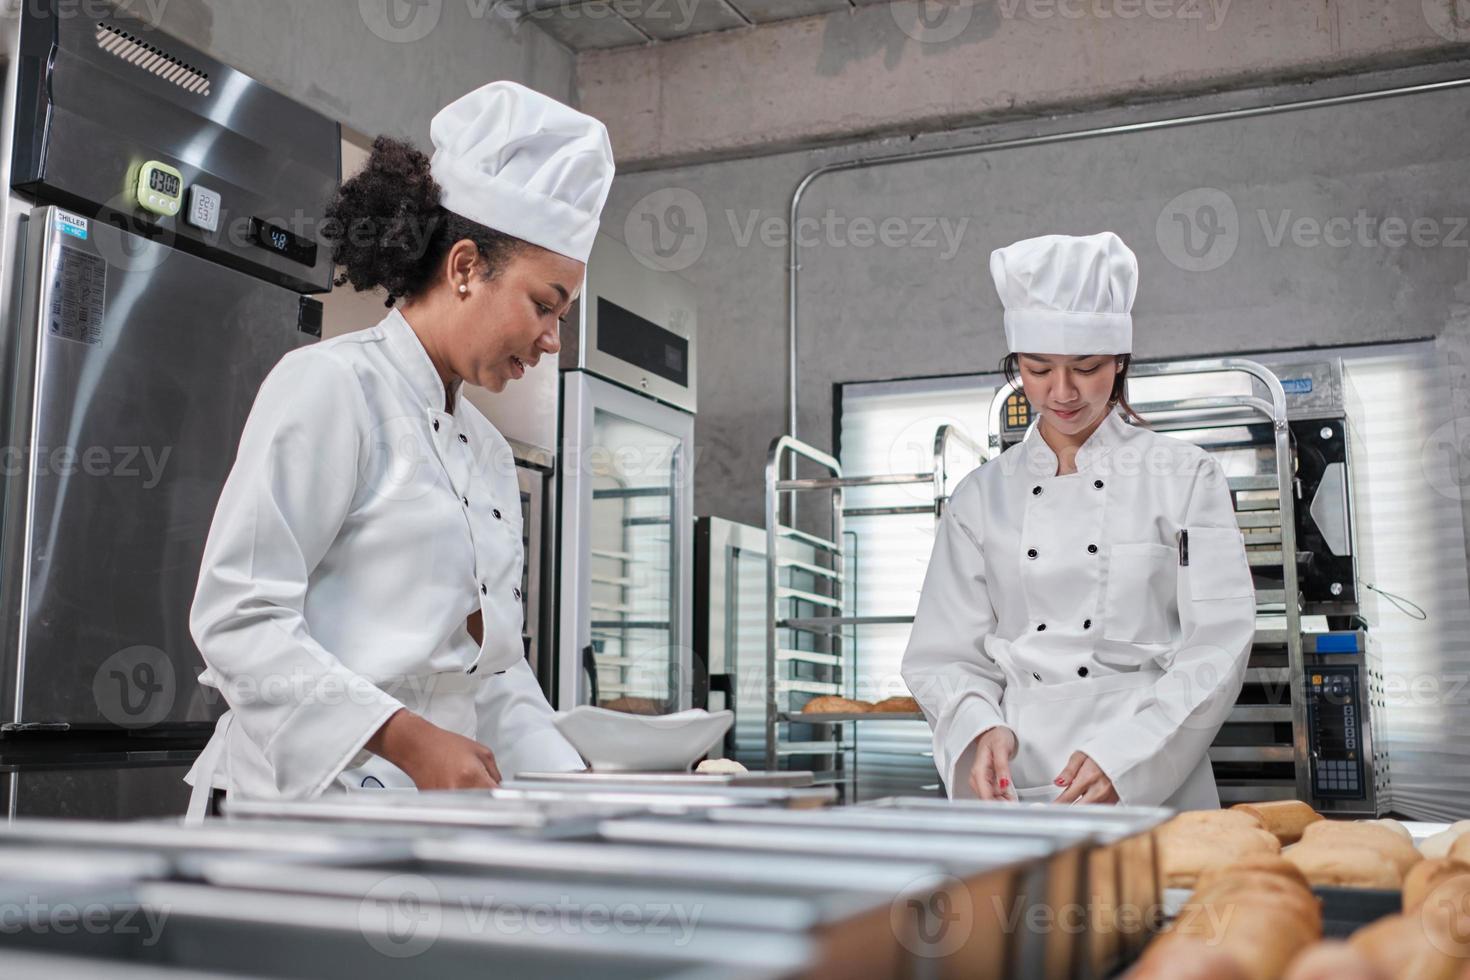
(276,239)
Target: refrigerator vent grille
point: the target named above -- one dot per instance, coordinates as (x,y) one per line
(138,52)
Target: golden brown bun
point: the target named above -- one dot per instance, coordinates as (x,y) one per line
(1216,819)
(831,704)
(1262,920)
(635,706)
(896,705)
(1267,863)
(1438,845)
(1394,826)
(1190,850)
(1342,866)
(1350,836)
(1334,960)
(1166,960)
(1405,946)
(1284,818)
(1425,876)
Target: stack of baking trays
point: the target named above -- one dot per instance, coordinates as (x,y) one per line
(549,878)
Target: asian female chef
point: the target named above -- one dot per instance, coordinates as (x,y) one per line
(359,601)
(1088,610)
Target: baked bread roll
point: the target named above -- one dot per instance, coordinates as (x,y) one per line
(897,705)
(1261,920)
(1340,866)
(636,706)
(1407,946)
(1438,845)
(1394,826)
(1177,960)
(1334,960)
(1188,850)
(1266,863)
(1426,876)
(831,704)
(1352,835)
(1216,819)
(1284,818)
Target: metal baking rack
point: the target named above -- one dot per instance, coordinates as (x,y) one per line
(1265,512)
(807,626)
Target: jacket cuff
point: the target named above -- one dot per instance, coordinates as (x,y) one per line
(326,731)
(955,751)
(1136,784)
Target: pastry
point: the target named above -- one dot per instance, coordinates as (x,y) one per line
(1334,960)
(1180,960)
(1427,875)
(1267,863)
(1402,946)
(897,705)
(1259,919)
(1325,863)
(1344,836)
(1216,818)
(831,704)
(1188,850)
(1284,818)
(1394,826)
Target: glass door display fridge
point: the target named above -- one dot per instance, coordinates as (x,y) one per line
(626,490)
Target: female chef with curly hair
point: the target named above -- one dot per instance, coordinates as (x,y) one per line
(359,601)
(1088,610)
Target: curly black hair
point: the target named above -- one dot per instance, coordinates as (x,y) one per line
(386,227)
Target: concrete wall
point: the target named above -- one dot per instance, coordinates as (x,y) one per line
(909,67)
(893,263)
(350,60)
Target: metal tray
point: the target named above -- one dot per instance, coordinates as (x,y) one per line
(1126,894)
(398,810)
(663,779)
(388,935)
(984,929)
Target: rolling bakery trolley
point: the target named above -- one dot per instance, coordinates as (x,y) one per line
(810,631)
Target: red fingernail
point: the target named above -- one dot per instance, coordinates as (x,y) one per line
(1061,781)
(1004,783)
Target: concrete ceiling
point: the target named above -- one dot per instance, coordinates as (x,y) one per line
(587,25)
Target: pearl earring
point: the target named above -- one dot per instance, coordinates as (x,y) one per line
(463,288)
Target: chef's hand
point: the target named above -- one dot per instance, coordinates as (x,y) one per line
(1085,782)
(432,757)
(990,773)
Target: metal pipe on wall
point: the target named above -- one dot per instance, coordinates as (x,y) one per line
(864,163)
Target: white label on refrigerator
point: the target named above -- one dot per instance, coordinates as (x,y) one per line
(72,225)
(78,300)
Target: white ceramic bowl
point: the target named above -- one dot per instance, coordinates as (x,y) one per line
(615,741)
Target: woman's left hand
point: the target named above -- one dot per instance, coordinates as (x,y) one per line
(1085,782)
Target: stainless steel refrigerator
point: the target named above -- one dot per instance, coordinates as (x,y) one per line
(626,489)
(159,245)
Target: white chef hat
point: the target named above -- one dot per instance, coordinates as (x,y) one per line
(1065,294)
(524,164)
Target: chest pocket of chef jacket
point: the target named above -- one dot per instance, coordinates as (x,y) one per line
(1142,599)
(1217,567)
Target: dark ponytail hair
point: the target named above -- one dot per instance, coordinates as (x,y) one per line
(1010,365)
(386,227)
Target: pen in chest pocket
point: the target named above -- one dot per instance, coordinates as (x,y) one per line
(1183,548)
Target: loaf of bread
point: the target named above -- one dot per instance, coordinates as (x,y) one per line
(831,704)
(897,705)
(636,706)
(1409,947)
(1394,826)
(1438,845)
(1259,919)
(1215,819)
(720,767)
(1334,960)
(1351,837)
(1191,847)
(1266,863)
(1427,875)
(1284,818)
(1324,863)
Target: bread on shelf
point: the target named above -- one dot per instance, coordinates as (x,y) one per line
(896,705)
(1284,818)
(832,704)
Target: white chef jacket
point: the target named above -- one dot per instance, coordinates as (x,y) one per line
(360,526)
(1063,608)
